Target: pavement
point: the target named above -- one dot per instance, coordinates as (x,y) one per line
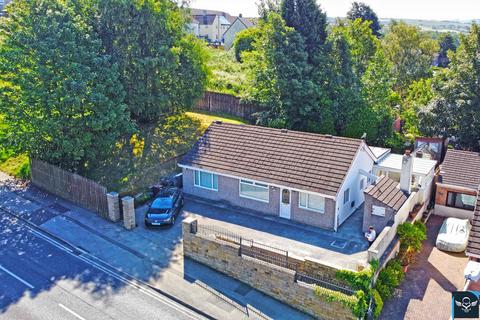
(345,249)
(42,279)
(154,256)
(426,290)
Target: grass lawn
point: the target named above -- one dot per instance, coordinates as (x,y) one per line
(206,118)
(153,152)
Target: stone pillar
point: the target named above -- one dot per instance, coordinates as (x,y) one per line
(113,202)
(128,213)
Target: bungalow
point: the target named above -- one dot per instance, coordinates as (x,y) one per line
(309,178)
(458,184)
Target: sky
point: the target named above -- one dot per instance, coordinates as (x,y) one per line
(406,9)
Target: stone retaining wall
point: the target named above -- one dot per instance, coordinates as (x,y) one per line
(272,280)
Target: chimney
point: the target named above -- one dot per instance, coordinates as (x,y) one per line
(406,174)
(240,15)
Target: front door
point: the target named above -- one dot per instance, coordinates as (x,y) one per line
(285,203)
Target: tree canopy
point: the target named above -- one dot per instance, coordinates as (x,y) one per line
(308,19)
(61,96)
(455,110)
(411,52)
(363,12)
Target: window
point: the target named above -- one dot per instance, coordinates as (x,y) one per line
(461,201)
(311,202)
(378,211)
(395,176)
(346,196)
(362,184)
(254,190)
(206,180)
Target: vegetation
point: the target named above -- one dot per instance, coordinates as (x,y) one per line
(227,75)
(71,93)
(363,12)
(389,278)
(244,41)
(411,237)
(361,282)
(455,108)
(378,302)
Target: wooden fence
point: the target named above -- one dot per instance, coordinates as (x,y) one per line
(70,186)
(225,103)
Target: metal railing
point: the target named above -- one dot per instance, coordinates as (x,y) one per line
(266,253)
(325,283)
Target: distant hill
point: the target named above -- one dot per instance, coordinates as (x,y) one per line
(430,25)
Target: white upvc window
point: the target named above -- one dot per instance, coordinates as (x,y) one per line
(346,196)
(311,202)
(206,180)
(254,190)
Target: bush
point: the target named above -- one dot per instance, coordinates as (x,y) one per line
(389,278)
(411,235)
(378,301)
(244,42)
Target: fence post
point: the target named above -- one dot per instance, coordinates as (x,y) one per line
(240,249)
(286,260)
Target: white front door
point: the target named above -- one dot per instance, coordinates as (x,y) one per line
(285,203)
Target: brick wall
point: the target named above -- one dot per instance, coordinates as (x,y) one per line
(322,220)
(377,222)
(272,280)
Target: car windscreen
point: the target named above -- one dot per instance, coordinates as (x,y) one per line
(162,203)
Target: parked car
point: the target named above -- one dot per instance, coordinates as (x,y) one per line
(164,208)
(453,235)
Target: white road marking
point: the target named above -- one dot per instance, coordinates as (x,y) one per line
(71,312)
(17,277)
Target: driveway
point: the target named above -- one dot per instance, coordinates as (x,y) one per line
(426,290)
(345,249)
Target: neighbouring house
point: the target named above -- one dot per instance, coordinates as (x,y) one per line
(193,27)
(473,247)
(309,178)
(457,184)
(238,25)
(383,199)
(420,179)
(212,24)
(430,148)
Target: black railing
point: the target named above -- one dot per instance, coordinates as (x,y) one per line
(325,283)
(266,253)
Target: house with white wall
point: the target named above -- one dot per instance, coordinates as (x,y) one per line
(309,178)
(212,24)
(238,25)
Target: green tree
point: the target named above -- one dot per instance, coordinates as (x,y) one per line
(278,74)
(411,53)
(60,94)
(455,110)
(362,11)
(419,94)
(373,113)
(447,43)
(308,19)
(244,41)
(161,70)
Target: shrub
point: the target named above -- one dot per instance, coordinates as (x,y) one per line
(389,278)
(244,41)
(411,237)
(378,301)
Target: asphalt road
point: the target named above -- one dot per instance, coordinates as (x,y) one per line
(41,278)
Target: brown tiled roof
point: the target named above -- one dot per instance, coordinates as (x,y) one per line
(461,168)
(473,246)
(387,192)
(305,161)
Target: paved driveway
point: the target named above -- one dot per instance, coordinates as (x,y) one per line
(426,291)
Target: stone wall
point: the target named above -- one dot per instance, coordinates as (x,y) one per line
(270,279)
